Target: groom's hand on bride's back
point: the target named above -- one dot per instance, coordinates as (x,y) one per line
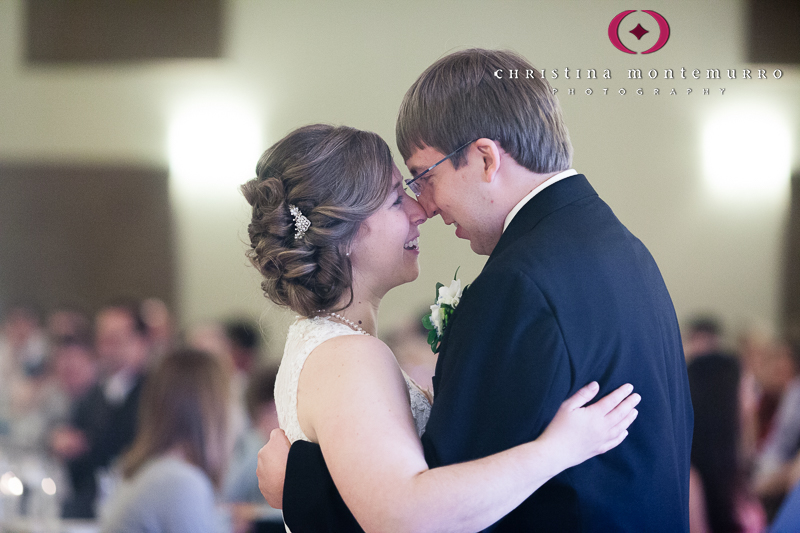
(271,469)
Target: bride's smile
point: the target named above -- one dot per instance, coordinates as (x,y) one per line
(386,250)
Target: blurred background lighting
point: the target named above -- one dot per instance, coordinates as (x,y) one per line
(213,146)
(10,484)
(747,154)
(49,486)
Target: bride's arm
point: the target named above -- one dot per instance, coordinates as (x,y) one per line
(352,399)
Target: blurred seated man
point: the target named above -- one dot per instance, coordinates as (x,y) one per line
(104,422)
(75,374)
(75,367)
(73,362)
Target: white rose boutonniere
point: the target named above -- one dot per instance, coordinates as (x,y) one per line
(447,298)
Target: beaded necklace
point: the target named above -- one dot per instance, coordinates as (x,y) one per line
(353,325)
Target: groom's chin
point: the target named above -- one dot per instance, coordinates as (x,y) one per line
(478,248)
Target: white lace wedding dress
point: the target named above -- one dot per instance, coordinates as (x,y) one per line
(305,335)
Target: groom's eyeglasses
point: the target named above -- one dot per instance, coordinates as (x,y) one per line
(416,186)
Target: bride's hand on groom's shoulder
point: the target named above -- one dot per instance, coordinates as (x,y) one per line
(271,469)
(579,432)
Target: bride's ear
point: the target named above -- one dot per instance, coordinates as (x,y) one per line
(490,158)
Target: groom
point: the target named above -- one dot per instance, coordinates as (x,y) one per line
(567,296)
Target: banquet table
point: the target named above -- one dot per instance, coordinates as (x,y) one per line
(24,525)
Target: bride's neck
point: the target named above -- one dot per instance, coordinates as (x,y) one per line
(363,310)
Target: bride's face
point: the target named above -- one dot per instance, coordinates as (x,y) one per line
(386,250)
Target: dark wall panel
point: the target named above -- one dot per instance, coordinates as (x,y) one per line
(79,31)
(773,28)
(82,236)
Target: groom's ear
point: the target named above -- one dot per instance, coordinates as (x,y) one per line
(490,158)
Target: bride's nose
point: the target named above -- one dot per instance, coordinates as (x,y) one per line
(416,214)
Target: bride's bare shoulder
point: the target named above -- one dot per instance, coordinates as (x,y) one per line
(346,350)
(350,361)
(345,372)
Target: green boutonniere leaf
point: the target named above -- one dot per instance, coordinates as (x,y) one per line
(447,298)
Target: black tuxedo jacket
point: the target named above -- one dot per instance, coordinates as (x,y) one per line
(568,296)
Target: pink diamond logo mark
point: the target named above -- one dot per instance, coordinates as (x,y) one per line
(639,32)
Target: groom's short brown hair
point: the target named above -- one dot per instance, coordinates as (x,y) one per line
(478,93)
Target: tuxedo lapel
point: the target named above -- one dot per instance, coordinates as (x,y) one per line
(548,201)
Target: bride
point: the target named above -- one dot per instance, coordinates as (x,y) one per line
(332,231)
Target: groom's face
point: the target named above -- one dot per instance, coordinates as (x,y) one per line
(454,195)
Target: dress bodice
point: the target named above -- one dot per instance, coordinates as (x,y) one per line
(305,334)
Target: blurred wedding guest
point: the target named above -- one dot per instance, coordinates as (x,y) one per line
(104,421)
(409,343)
(23,356)
(702,336)
(74,373)
(240,489)
(38,402)
(74,367)
(769,373)
(245,344)
(72,357)
(23,369)
(23,345)
(782,445)
(160,326)
(212,337)
(68,322)
(719,500)
(241,483)
(178,457)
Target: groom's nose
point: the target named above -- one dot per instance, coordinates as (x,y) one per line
(428,205)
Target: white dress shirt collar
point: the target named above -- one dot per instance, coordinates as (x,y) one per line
(558,177)
(118,386)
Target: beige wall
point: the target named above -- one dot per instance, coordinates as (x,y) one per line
(292,63)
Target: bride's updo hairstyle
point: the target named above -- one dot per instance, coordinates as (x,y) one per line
(337,176)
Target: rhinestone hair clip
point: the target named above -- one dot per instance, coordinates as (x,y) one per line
(301,222)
